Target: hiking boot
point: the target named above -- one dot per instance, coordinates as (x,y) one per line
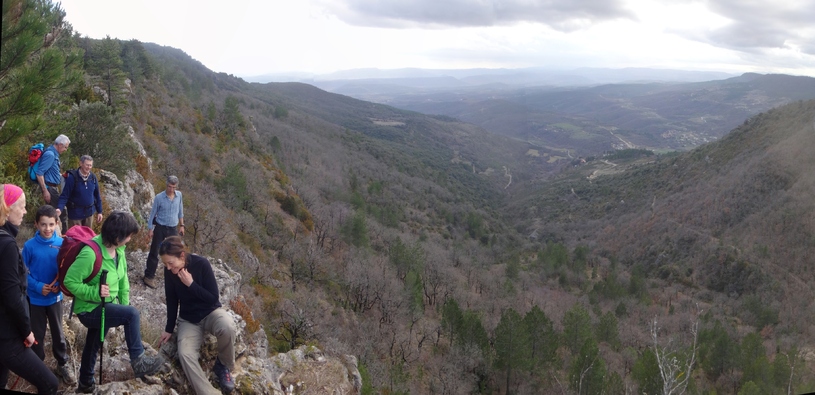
(224,377)
(86,389)
(66,374)
(150,282)
(146,365)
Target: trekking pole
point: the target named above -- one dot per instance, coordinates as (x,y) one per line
(102,280)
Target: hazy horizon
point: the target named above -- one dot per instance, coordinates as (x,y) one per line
(253,37)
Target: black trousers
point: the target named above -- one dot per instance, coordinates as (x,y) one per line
(160,232)
(63,217)
(21,360)
(52,317)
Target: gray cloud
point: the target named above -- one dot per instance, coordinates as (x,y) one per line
(764,25)
(564,15)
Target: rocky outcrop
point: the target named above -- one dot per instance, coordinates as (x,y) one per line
(306,370)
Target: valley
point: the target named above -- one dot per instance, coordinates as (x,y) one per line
(484,238)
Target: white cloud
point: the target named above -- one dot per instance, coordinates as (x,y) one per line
(252,37)
(561,15)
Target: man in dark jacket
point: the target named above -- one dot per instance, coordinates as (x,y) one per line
(81,195)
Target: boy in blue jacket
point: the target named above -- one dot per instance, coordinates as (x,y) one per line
(45,298)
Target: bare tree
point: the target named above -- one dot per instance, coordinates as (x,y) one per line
(295,324)
(674,368)
(208,229)
(793,358)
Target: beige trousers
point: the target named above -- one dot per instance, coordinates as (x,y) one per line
(84,222)
(190,338)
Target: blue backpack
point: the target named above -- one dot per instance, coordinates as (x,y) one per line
(34,155)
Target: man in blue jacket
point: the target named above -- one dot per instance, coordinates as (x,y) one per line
(81,195)
(44,296)
(48,174)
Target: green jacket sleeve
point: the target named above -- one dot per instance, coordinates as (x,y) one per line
(124,282)
(81,269)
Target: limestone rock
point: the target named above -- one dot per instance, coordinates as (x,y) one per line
(306,370)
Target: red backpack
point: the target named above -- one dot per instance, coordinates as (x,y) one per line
(73,241)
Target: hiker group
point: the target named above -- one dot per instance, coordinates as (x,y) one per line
(91,271)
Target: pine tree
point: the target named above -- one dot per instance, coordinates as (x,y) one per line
(543,340)
(646,373)
(32,67)
(588,371)
(451,318)
(512,351)
(576,328)
(109,64)
(607,330)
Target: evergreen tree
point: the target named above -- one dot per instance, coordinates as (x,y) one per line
(405,258)
(580,258)
(543,340)
(607,330)
(646,373)
(108,63)
(98,134)
(355,230)
(32,66)
(415,292)
(576,328)
(231,118)
(135,62)
(717,350)
(553,257)
(614,384)
(754,364)
(451,318)
(512,351)
(588,371)
(234,189)
(751,388)
(472,334)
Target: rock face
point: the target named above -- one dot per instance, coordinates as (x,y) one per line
(305,370)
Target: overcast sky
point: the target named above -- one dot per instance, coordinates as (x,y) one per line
(254,37)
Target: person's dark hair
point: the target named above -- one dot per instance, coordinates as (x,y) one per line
(117,227)
(46,211)
(173,246)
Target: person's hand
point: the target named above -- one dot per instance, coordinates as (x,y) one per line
(181,230)
(185,277)
(98,218)
(165,337)
(46,196)
(150,234)
(59,212)
(29,340)
(46,289)
(105,291)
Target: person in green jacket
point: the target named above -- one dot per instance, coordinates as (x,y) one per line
(117,230)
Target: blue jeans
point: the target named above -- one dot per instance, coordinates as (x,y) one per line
(21,360)
(115,315)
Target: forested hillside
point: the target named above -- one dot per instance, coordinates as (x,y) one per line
(656,116)
(451,260)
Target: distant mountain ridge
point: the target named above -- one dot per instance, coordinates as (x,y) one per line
(656,116)
(531,76)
